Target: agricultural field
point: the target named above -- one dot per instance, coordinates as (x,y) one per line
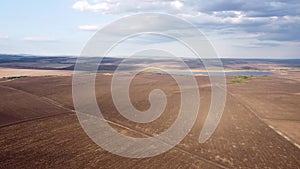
(39,129)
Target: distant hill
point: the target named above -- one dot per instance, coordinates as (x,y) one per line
(110,63)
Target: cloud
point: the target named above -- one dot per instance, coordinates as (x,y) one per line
(127,6)
(39,39)
(270,19)
(252,8)
(258,45)
(249,35)
(177,4)
(3,36)
(89,27)
(84,5)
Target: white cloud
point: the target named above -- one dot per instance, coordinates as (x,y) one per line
(249,35)
(39,39)
(128,6)
(89,27)
(3,36)
(84,5)
(177,4)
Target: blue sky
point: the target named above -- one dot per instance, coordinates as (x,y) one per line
(247,29)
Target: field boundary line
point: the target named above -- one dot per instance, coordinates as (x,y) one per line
(248,107)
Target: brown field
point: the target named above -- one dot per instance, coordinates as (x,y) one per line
(39,128)
(275,100)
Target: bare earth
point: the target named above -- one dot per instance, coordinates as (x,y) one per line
(275,100)
(39,128)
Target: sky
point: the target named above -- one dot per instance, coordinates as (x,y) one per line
(236,28)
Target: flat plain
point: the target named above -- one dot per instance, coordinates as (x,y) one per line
(40,129)
(259,127)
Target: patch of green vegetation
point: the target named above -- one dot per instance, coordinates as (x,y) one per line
(241,79)
(14,77)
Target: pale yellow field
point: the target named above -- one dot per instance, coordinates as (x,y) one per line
(9,72)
